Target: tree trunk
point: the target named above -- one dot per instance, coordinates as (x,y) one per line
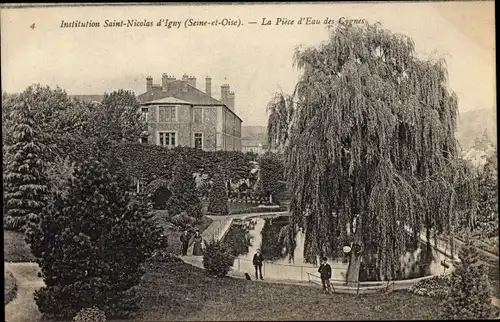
(353,269)
(138,186)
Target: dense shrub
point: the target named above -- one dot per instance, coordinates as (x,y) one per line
(91,245)
(158,193)
(258,210)
(469,295)
(183,221)
(217,200)
(9,287)
(238,240)
(163,256)
(184,194)
(217,258)
(92,314)
(435,287)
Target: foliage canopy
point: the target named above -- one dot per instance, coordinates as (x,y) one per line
(370,130)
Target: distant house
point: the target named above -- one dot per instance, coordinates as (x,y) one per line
(178,113)
(88,98)
(254,145)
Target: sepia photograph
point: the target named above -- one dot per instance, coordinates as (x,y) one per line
(210,161)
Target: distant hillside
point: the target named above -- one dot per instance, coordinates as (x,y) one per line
(472,124)
(255,132)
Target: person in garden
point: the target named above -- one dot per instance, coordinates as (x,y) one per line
(325,271)
(197,244)
(185,242)
(258,259)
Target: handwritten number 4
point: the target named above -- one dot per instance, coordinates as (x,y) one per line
(32,26)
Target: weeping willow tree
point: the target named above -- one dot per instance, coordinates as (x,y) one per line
(369,133)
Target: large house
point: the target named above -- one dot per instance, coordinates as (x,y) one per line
(180,114)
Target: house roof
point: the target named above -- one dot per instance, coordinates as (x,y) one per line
(167,100)
(175,90)
(88,98)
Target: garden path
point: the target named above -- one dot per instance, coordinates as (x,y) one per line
(23,307)
(220,225)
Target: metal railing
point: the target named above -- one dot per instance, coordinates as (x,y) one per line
(381,286)
(277,268)
(309,274)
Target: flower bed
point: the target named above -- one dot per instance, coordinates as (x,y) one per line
(435,287)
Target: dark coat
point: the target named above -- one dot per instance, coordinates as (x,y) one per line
(197,251)
(325,270)
(185,238)
(258,259)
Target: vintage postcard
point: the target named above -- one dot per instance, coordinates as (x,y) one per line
(250,161)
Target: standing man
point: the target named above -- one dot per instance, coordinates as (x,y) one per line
(185,242)
(257,262)
(325,270)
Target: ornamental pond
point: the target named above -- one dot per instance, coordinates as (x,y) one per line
(248,235)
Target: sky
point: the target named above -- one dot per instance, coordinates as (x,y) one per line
(255,60)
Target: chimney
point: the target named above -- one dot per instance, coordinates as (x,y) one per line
(185,79)
(192,81)
(165,80)
(208,86)
(224,93)
(149,83)
(231,101)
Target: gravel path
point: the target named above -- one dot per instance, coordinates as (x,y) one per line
(23,307)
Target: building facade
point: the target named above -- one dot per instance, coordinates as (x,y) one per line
(179,114)
(254,145)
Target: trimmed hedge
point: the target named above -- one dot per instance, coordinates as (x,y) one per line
(217,200)
(258,210)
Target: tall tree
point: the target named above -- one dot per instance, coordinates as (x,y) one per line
(120,117)
(184,195)
(217,197)
(91,244)
(58,117)
(487,217)
(24,177)
(369,133)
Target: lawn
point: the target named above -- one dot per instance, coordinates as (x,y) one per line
(15,248)
(176,291)
(9,287)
